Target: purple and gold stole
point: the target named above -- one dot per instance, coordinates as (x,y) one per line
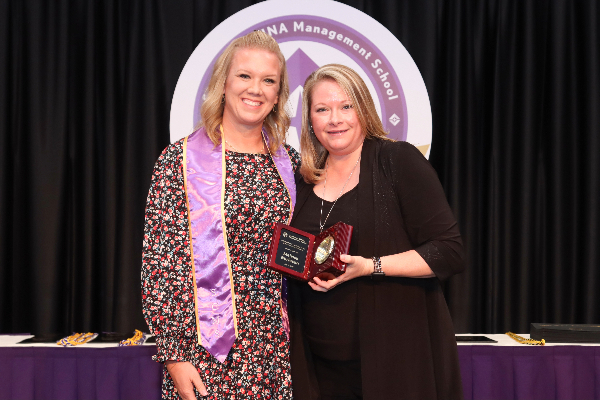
(204,177)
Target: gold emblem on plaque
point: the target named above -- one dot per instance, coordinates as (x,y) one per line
(324,249)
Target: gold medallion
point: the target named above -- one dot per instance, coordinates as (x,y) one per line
(324,249)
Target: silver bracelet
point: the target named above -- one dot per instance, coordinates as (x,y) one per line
(377,270)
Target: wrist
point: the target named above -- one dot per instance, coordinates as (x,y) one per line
(377,269)
(370,267)
(172,363)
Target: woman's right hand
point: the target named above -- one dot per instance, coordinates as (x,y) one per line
(356,266)
(185,377)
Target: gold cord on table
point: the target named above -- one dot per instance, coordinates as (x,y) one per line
(523,340)
(77,339)
(137,339)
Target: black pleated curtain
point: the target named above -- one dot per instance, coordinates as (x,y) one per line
(85,92)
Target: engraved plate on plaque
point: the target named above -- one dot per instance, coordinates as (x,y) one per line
(292,250)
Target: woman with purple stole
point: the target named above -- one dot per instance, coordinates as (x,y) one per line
(215,308)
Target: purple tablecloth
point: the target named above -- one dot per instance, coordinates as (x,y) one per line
(79,373)
(489,372)
(528,372)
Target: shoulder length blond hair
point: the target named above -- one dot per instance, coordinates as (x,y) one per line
(277,122)
(314,154)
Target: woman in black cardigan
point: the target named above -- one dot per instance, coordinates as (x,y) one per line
(381,330)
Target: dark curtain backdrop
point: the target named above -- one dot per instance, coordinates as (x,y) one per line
(85,94)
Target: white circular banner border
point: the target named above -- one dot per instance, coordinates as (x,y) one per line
(411,90)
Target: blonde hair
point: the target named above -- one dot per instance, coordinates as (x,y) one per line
(314,154)
(277,122)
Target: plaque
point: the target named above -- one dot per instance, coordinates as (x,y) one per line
(301,255)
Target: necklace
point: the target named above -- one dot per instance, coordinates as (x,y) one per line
(237,151)
(322,225)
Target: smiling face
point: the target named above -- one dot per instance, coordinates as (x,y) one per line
(334,119)
(251,88)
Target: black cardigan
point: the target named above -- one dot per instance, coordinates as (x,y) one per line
(407,344)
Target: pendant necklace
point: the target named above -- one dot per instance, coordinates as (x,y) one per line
(261,151)
(322,225)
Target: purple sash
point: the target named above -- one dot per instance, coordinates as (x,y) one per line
(205,190)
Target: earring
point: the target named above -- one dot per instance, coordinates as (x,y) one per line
(274,109)
(223,99)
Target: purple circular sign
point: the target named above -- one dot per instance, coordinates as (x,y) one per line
(309,28)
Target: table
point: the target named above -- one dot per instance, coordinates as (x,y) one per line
(503,370)
(90,371)
(509,370)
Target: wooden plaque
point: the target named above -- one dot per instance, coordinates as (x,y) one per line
(301,255)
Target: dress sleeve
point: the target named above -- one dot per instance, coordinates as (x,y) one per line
(429,221)
(167,295)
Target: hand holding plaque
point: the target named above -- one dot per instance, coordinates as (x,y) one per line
(301,255)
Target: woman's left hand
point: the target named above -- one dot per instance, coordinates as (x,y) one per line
(356,266)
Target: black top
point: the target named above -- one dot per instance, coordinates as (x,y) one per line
(331,319)
(407,344)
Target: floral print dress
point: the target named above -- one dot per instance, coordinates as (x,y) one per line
(257,366)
